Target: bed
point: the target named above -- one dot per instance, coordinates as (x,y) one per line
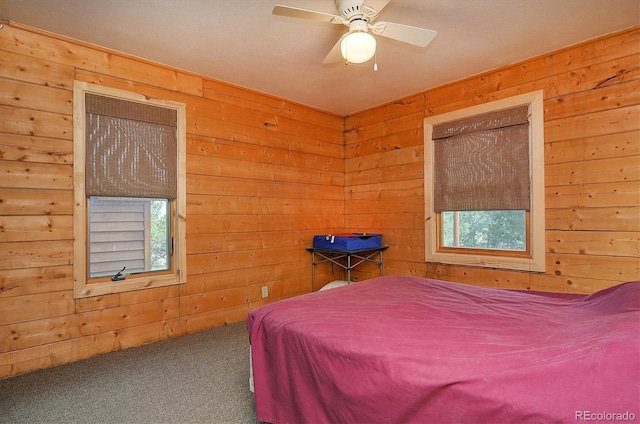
(400,349)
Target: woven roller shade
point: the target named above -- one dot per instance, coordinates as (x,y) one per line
(131,149)
(482,162)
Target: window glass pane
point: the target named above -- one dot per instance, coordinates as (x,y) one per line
(128,232)
(498,230)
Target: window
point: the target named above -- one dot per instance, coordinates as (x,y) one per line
(131,233)
(129,177)
(484,185)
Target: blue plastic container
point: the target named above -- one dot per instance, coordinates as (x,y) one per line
(348,241)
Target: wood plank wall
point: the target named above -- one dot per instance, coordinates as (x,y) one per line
(592,167)
(263,176)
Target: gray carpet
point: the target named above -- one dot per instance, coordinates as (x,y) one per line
(198,378)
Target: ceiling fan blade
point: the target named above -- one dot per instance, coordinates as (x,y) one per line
(335,55)
(295,12)
(406,33)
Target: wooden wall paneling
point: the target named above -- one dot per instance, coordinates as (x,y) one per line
(405,171)
(198,322)
(269,274)
(581,195)
(569,284)
(404,245)
(409,205)
(28,42)
(380,223)
(31,254)
(24,148)
(613,218)
(384,178)
(35,280)
(49,355)
(401,203)
(595,171)
(203,204)
(140,87)
(239,260)
(490,86)
(214,128)
(407,156)
(203,165)
(143,334)
(591,132)
(35,306)
(220,185)
(32,333)
(589,125)
(530,281)
(361,148)
(591,148)
(31,122)
(31,228)
(234,95)
(408,148)
(198,243)
(601,243)
(262,153)
(262,121)
(388,191)
(559,73)
(27,201)
(214,300)
(31,96)
(18,174)
(27,68)
(406,106)
(590,100)
(594,266)
(330,160)
(419,269)
(388,127)
(265,175)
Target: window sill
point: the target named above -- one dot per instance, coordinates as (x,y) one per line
(502,262)
(129,284)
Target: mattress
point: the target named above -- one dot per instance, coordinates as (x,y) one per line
(407,349)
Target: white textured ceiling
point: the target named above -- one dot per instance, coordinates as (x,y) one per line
(241,42)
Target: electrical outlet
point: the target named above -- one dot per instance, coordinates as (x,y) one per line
(265,291)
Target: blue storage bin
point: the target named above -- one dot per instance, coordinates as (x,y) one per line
(347,241)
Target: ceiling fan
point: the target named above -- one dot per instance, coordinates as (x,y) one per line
(358,45)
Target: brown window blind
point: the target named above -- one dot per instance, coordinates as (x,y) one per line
(131,149)
(482,162)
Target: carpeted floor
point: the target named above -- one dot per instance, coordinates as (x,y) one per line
(199,378)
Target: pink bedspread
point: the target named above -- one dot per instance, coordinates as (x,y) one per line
(402,349)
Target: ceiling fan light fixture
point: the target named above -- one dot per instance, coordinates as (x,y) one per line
(358,47)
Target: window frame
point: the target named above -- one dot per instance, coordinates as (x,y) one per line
(83,285)
(533,258)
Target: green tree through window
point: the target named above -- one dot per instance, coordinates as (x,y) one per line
(160,236)
(502,230)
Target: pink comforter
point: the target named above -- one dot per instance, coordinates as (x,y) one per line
(403,349)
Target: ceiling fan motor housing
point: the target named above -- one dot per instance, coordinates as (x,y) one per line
(358,25)
(351,9)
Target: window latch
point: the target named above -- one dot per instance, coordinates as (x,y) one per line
(119,276)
